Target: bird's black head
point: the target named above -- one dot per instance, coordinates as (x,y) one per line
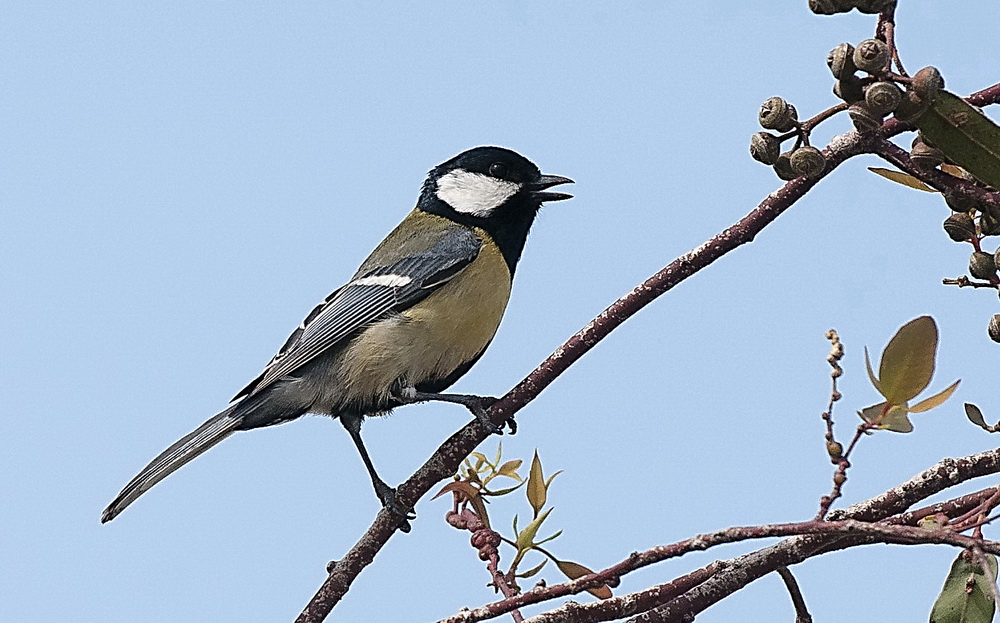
(493,188)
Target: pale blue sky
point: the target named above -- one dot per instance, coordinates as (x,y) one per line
(181,182)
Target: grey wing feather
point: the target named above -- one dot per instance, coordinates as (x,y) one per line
(364,300)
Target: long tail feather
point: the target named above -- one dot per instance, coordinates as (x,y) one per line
(173,458)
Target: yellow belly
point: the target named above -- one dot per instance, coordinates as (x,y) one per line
(432,339)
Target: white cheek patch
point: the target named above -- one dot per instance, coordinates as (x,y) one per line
(389,281)
(474,193)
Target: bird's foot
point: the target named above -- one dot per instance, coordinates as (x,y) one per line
(391,503)
(478,405)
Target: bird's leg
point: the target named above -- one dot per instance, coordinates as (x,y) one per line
(476,404)
(385,493)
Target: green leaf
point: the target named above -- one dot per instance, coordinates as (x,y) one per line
(533,570)
(966,597)
(952,170)
(510,468)
(549,538)
(887,417)
(574,570)
(871,373)
(526,539)
(872,414)
(505,490)
(908,360)
(896,420)
(932,522)
(929,403)
(465,490)
(975,416)
(536,485)
(548,481)
(966,136)
(901,178)
(469,494)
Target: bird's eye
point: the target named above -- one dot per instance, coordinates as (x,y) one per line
(498,169)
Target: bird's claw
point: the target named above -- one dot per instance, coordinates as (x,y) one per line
(404,516)
(387,495)
(479,405)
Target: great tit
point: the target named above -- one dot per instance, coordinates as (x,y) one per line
(418,313)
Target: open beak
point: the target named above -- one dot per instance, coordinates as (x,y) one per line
(548,181)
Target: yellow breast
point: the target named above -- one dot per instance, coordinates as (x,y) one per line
(435,337)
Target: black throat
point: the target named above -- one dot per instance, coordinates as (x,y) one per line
(508,226)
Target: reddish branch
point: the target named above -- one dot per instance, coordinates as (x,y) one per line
(879,532)
(833,447)
(885,508)
(886,31)
(487,542)
(798,601)
(446,459)
(750,567)
(935,178)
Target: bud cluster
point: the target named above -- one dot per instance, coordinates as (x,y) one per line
(831,7)
(802,160)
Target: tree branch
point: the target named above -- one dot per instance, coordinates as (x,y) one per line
(625,605)
(936,178)
(750,567)
(446,459)
(798,601)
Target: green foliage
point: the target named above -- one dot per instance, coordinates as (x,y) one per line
(575,570)
(906,369)
(537,491)
(901,178)
(965,135)
(470,489)
(966,596)
(976,416)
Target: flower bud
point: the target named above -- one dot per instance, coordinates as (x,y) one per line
(777,114)
(849,89)
(911,107)
(864,118)
(959,202)
(960,227)
(783,167)
(883,97)
(870,6)
(989,225)
(871,55)
(807,161)
(925,156)
(927,83)
(982,266)
(840,60)
(765,147)
(994,328)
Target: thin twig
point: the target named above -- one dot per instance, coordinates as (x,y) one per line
(943,475)
(964,282)
(936,178)
(798,602)
(625,605)
(886,31)
(991,577)
(833,447)
(958,523)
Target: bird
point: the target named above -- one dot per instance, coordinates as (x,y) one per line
(416,316)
